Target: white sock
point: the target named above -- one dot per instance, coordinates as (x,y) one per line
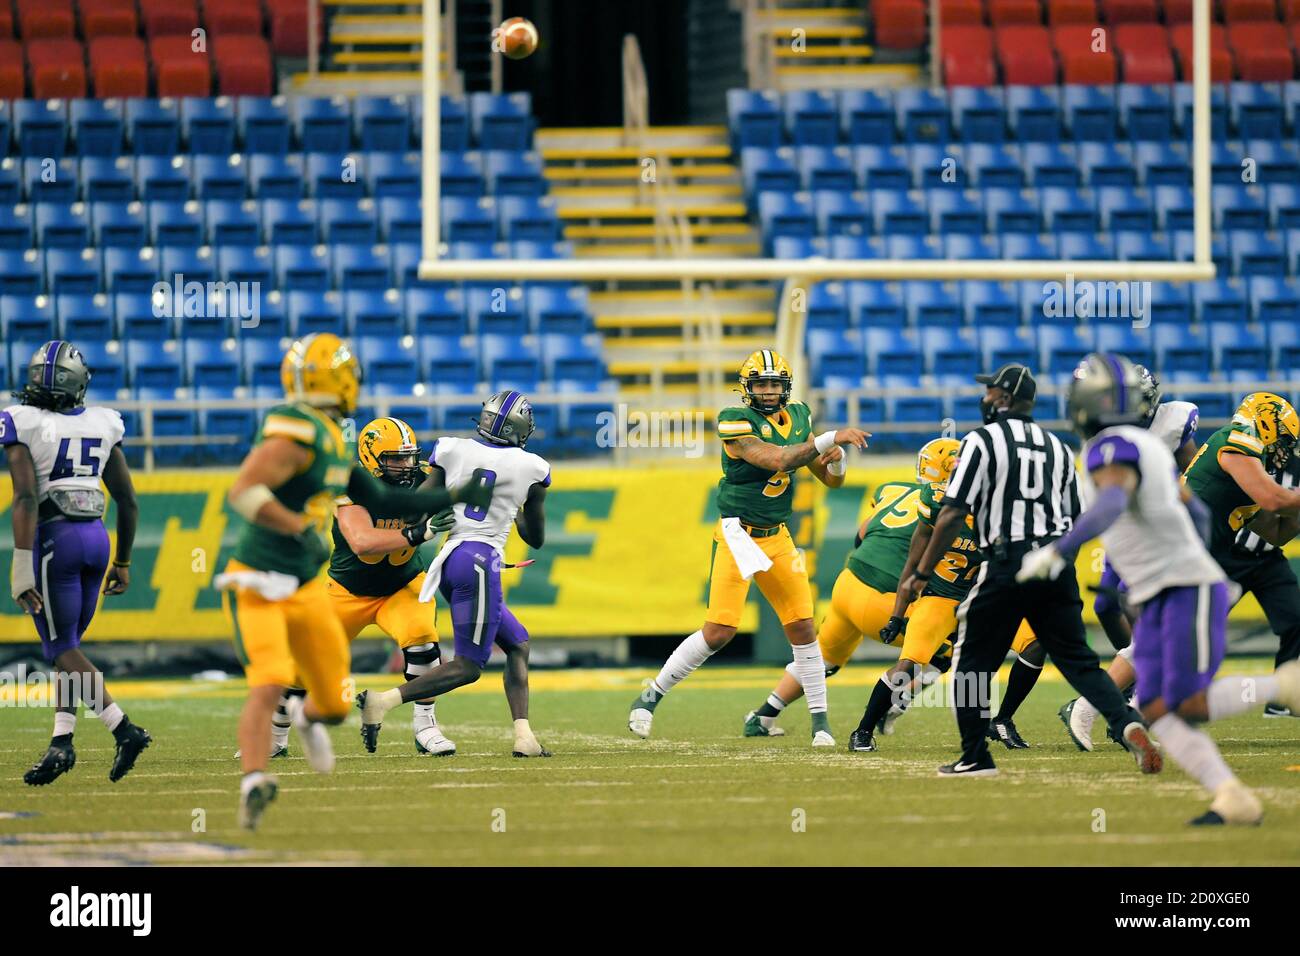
(522,729)
(111,716)
(681,663)
(64,723)
(811,670)
(1229,696)
(280,722)
(387,699)
(423,717)
(776,703)
(249,780)
(1193,750)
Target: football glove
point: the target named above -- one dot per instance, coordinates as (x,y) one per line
(896,626)
(417,534)
(1041,564)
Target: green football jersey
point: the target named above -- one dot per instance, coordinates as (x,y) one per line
(755,495)
(878,561)
(376,575)
(1230,507)
(312,491)
(957,569)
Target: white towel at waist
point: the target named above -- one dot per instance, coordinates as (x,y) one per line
(433,576)
(272,585)
(750,558)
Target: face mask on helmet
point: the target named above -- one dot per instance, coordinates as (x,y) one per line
(401,468)
(771,400)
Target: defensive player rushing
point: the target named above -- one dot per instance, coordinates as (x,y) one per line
(765,441)
(58,450)
(372,575)
(285,626)
(467,571)
(1143,517)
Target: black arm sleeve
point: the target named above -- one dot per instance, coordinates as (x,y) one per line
(376,495)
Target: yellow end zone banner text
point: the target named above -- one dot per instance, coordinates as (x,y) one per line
(627,553)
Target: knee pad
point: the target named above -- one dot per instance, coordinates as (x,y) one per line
(420,659)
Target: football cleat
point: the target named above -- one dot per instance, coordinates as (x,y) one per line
(277,750)
(369,732)
(131,742)
(529,746)
(431,741)
(984,767)
(1143,748)
(823,738)
(639,721)
(1004,732)
(58,760)
(254,798)
(861,741)
(316,745)
(1278,710)
(755,726)
(886,725)
(1078,723)
(1234,803)
(1288,691)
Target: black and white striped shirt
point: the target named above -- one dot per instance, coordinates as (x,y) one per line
(1018,481)
(1250,541)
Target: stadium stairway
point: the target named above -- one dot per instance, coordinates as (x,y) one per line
(816,44)
(372,47)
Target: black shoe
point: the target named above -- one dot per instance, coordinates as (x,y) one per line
(984,767)
(861,741)
(253,803)
(1207,819)
(1116,738)
(130,742)
(58,760)
(1278,710)
(1004,732)
(369,732)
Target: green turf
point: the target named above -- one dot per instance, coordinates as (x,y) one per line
(697,793)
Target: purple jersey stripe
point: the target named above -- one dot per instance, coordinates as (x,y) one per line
(1111,450)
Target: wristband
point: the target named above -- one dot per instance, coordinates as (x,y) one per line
(824,442)
(920,576)
(23,574)
(836,468)
(249,502)
(121,564)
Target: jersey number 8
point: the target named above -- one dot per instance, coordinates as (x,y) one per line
(489,480)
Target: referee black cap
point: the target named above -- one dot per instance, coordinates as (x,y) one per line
(1013,378)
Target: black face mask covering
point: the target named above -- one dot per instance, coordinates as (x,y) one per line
(989,412)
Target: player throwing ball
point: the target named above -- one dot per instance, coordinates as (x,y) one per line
(57,450)
(1144,517)
(765,441)
(467,571)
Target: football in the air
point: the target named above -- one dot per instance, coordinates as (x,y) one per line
(516,38)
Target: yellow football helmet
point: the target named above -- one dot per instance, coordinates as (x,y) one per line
(936,460)
(1273,421)
(766,365)
(321,370)
(388,449)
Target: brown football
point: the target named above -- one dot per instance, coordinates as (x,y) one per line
(516,38)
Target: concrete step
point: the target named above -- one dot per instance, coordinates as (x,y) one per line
(613,138)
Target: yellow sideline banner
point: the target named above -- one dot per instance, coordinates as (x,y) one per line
(627,553)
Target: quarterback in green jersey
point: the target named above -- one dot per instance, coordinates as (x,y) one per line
(765,440)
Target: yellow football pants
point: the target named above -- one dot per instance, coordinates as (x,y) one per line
(399,615)
(857,609)
(784,584)
(933,623)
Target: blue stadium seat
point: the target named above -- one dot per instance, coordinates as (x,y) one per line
(22,271)
(922,115)
(335,175)
(107,180)
(827,306)
(1049,164)
(85,317)
(811,118)
(1171,302)
(404,261)
(438,312)
(449,362)
(1124,339)
(933,304)
(1275,162)
(386,360)
(1034,113)
(107,365)
(530,249)
(574,358)
(1184,246)
(349,220)
(154,364)
(899,213)
(266,318)
(382,123)
(842,213)
(876,304)
(11,183)
(322,124)
(290,222)
(970,247)
(1220,300)
(754,117)
(302,268)
(403,404)
(27,318)
(1218,111)
(561,309)
(1081,245)
(73,270)
(1148,247)
(1257,253)
(1238,206)
(400,220)
(826,167)
(835,352)
(1173,206)
(938,167)
(1060,349)
(175,223)
(142,319)
(1227,163)
(913,247)
(1146,111)
(893,352)
(800,247)
(954,211)
(1107,164)
(1284,349)
(951,353)
(228,431)
(497,311)
(867,117)
(882,167)
(97,126)
(212,363)
(220,177)
(276,176)
(45,183)
(502,121)
(1181,349)
(208,125)
(785,214)
(507,362)
(263,123)
(1238,348)
(17,230)
(1010,210)
(990,303)
(1283,205)
(1017,245)
(1068,210)
(994,165)
(372,313)
(461,174)
(394,174)
(163,177)
(453,123)
(529,217)
(1271,301)
(232,223)
(41,127)
(514,174)
(241,263)
(153,126)
(1162,164)
(468,220)
(261,362)
(980,114)
(361,267)
(315,311)
(62,227)
(1255,110)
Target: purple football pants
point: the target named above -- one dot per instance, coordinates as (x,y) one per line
(1179,642)
(471,583)
(70,559)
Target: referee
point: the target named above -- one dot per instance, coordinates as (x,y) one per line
(1017,481)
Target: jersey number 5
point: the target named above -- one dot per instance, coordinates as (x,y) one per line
(489,480)
(63,466)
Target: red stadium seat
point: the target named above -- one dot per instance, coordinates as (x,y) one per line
(57,67)
(53,18)
(1025,52)
(1081,62)
(1144,53)
(960,12)
(168,17)
(1129,11)
(108,18)
(233,17)
(119,66)
(1178,11)
(1236,11)
(1071,11)
(1006,12)
(12,85)
(6,22)
(900,24)
(1290,10)
(968,56)
(178,69)
(289,26)
(1180,38)
(1262,50)
(243,65)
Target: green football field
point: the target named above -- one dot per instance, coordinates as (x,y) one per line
(697,793)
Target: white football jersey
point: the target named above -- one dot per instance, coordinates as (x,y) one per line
(69,449)
(510,471)
(1174,423)
(1154,544)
